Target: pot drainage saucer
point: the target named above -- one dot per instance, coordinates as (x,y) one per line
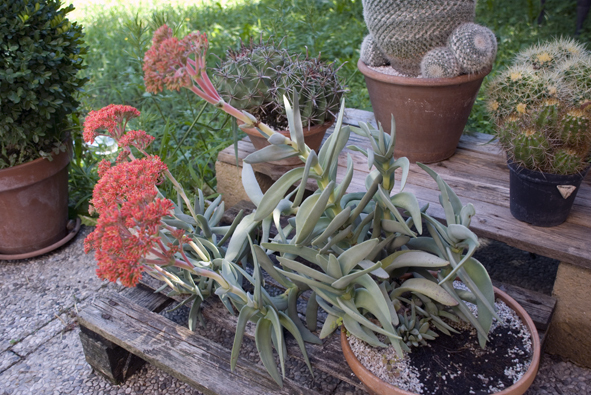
(47,249)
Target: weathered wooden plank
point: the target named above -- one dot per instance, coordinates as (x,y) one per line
(113,362)
(145,297)
(540,307)
(193,359)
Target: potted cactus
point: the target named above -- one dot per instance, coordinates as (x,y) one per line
(40,57)
(364,263)
(257,76)
(424,63)
(541,106)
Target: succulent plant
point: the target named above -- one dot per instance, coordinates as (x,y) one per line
(370,257)
(474,46)
(371,54)
(440,63)
(256,77)
(541,108)
(550,55)
(575,73)
(405,30)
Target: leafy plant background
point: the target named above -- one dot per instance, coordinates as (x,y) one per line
(190,135)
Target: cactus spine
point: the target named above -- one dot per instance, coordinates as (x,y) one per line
(440,63)
(405,30)
(371,54)
(256,77)
(541,108)
(474,46)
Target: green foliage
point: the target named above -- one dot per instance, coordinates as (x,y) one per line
(40,56)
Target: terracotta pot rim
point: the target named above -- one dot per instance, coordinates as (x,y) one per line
(42,170)
(522,385)
(413,81)
(319,128)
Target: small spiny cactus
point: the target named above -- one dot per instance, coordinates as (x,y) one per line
(530,149)
(440,63)
(256,77)
(568,161)
(576,73)
(548,56)
(405,30)
(573,130)
(371,54)
(474,46)
(519,89)
(542,108)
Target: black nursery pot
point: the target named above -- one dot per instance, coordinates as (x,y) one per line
(535,197)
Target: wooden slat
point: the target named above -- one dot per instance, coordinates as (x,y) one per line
(193,359)
(540,307)
(478,174)
(145,297)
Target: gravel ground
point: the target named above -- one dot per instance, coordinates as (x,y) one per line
(40,352)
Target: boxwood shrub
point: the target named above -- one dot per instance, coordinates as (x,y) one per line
(40,56)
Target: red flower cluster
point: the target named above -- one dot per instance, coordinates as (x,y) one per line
(113,118)
(138,138)
(129,218)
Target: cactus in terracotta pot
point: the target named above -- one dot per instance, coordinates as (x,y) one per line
(405,30)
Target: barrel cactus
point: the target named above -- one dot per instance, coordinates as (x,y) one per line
(255,78)
(440,63)
(549,55)
(541,106)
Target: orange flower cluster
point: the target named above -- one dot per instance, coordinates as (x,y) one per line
(129,219)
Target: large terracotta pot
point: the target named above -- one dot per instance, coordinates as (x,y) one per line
(376,386)
(313,138)
(430,113)
(34,205)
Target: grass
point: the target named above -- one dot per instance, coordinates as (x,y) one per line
(189,135)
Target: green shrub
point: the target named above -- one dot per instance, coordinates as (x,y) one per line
(40,56)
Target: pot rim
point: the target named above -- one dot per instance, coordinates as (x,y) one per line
(423,82)
(315,129)
(34,171)
(519,387)
(539,176)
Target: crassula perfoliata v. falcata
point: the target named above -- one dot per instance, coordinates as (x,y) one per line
(372,259)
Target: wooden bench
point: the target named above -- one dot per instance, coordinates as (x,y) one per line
(478,173)
(119,332)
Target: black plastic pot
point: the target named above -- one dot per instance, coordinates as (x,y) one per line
(536,197)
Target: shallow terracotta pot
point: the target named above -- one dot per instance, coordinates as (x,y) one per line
(34,204)
(313,138)
(430,113)
(376,386)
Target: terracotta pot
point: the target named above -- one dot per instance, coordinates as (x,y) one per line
(376,386)
(313,138)
(430,113)
(34,204)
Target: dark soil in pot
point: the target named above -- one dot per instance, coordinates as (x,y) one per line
(456,364)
